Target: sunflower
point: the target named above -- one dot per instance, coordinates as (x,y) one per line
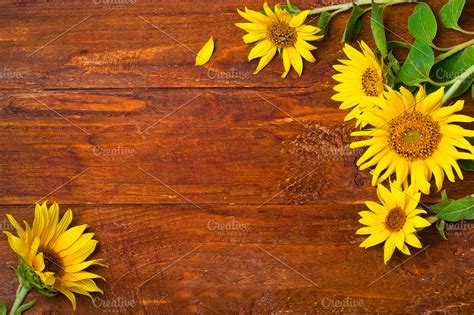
(360,76)
(394,221)
(414,137)
(280,31)
(54,254)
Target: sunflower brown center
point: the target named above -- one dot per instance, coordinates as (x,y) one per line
(395,219)
(371,82)
(414,135)
(52,262)
(281,34)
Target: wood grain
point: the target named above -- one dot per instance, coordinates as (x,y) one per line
(221,259)
(186,145)
(210,190)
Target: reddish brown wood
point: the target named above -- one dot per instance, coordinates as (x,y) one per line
(239,189)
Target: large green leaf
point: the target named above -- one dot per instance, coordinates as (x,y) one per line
(462,209)
(323,22)
(3,309)
(422,24)
(353,25)
(378,29)
(450,13)
(417,66)
(453,66)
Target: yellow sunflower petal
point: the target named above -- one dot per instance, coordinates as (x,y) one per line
(299,19)
(375,239)
(265,59)
(205,53)
(260,49)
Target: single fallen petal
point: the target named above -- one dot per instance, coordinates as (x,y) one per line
(205,53)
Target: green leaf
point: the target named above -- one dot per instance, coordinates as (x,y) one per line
(467,165)
(391,44)
(453,66)
(378,29)
(353,25)
(417,66)
(440,226)
(3,309)
(291,8)
(422,24)
(462,209)
(436,208)
(450,13)
(323,22)
(25,307)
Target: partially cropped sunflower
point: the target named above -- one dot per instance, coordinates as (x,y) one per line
(54,255)
(360,76)
(414,138)
(282,32)
(394,221)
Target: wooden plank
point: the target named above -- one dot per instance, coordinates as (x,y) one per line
(175,146)
(179,259)
(81,44)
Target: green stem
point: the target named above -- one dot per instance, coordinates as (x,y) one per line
(441,83)
(452,50)
(464,31)
(21,293)
(459,80)
(346,6)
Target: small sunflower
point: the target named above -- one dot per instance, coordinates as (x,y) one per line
(360,76)
(394,221)
(414,137)
(55,255)
(280,31)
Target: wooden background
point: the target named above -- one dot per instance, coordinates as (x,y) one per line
(210,190)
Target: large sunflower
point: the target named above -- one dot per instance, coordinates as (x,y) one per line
(414,137)
(55,254)
(394,221)
(360,76)
(280,31)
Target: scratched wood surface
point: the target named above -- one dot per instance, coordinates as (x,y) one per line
(210,190)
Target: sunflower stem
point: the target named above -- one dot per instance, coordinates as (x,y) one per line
(459,80)
(21,293)
(452,50)
(464,31)
(347,6)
